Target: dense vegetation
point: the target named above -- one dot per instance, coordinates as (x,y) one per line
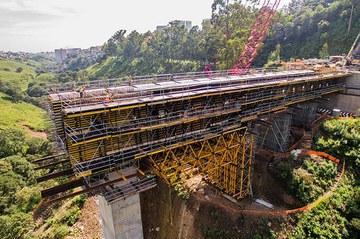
(20,122)
(19,193)
(310,180)
(339,216)
(304,29)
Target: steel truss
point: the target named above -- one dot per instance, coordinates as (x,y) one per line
(225,160)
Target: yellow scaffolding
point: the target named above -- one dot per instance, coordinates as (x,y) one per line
(225,160)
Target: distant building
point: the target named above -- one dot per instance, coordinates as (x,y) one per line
(96,50)
(15,55)
(61,54)
(162,27)
(178,23)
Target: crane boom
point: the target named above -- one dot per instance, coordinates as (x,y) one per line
(349,55)
(257,35)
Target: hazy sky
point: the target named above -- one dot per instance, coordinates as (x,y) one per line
(43,25)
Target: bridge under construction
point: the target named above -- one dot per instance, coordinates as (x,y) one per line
(119,133)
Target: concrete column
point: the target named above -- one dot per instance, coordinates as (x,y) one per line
(276,135)
(305,114)
(121,219)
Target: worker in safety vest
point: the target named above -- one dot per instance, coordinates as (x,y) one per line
(108,95)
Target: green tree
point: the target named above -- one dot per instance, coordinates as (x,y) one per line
(12,142)
(22,167)
(13,91)
(36,90)
(324,52)
(15,225)
(10,183)
(274,57)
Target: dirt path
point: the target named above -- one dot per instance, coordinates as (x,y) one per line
(35,134)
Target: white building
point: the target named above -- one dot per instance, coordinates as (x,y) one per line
(178,23)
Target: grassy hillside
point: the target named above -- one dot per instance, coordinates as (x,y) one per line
(17,115)
(40,62)
(8,72)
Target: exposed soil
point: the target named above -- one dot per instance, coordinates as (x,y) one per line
(88,226)
(166,215)
(267,187)
(35,134)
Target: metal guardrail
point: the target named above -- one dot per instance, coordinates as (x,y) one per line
(78,104)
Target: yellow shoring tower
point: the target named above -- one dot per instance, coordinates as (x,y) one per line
(225,160)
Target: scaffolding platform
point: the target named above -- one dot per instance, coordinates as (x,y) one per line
(178,125)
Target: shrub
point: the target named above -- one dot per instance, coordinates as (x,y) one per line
(59,232)
(19,69)
(15,225)
(22,167)
(36,90)
(71,216)
(27,198)
(38,146)
(183,191)
(12,90)
(10,183)
(79,201)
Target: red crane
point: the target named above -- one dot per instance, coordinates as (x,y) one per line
(257,35)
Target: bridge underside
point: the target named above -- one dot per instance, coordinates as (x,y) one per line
(178,127)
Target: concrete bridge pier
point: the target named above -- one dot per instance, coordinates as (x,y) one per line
(305,114)
(121,219)
(121,214)
(275,135)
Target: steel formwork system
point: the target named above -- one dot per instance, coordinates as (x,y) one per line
(180,126)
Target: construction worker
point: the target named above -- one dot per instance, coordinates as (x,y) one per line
(208,69)
(82,91)
(129,80)
(108,96)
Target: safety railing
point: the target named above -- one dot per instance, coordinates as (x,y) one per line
(94,130)
(79,105)
(130,188)
(154,78)
(102,92)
